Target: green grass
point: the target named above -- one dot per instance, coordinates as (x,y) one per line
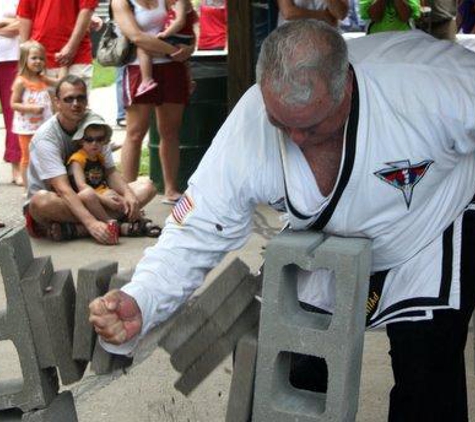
(144,169)
(102,76)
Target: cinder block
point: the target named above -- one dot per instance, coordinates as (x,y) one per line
(192,317)
(58,307)
(38,386)
(218,324)
(218,351)
(242,384)
(286,328)
(93,281)
(61,409)
(35,282)
(102,361)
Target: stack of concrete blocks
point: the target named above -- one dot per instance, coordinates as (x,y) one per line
(25,277)
(286,329)
(207,330)
(48,324)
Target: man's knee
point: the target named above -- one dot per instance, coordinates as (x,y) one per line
(40,203)
(148,186)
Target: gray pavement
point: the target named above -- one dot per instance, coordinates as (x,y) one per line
(147,393)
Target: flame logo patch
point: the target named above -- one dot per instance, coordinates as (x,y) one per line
(404,176)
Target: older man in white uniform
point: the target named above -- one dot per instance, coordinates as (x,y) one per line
(381,148)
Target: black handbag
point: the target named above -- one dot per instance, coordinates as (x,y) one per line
(115,50)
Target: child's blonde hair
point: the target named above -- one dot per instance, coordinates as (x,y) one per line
(25,52)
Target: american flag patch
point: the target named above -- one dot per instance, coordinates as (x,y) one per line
(182,208)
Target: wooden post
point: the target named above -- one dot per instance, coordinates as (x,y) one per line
(241,72)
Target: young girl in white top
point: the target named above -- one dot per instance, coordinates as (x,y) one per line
(30,99)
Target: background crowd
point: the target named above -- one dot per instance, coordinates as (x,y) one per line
(166,33)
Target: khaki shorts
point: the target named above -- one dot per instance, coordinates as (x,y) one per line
(84,71)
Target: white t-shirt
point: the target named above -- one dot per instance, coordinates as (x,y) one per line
(407,175)
(9,47)
(305,4)
(50,150)
(151,21)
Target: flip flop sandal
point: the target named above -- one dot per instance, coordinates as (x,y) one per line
(152,230)
(141,228)
(67,231)
(173,202)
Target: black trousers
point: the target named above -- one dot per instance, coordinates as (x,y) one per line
(427,356)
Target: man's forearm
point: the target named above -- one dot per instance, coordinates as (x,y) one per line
(25,29)
(80,28)
(117,183)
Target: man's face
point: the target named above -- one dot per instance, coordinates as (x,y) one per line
(310,124)
(71,103)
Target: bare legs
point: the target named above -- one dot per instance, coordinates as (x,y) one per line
(46,207)
(169,118)
(137,126)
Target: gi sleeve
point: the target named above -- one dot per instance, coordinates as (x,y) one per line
(214,216)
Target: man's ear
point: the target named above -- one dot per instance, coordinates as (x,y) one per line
(56,102)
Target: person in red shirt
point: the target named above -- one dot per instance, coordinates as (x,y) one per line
(213,25)
(63,28)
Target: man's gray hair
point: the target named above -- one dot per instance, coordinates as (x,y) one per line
(296,54)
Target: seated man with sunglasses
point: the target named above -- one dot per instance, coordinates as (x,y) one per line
(54,209)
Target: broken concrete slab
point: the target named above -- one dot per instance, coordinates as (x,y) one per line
(93,281)
(38,386)
(35,282)
(11,415)
(218,323)
(218,351)
(59,308)
(191,318)
(61,409)
(242,384)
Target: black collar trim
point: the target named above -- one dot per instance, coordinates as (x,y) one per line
(349,159)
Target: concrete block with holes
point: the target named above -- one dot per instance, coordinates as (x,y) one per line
(93,281)
(242,384)
(286,329)
(39,386)
(59,307)
(102,361)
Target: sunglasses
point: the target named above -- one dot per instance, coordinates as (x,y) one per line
(82,99)
(99,139)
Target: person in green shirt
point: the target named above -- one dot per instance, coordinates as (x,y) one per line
(389,15)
